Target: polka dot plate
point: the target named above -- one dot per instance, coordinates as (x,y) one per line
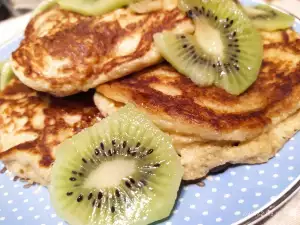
(241,195)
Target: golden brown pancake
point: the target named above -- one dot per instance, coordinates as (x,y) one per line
(64,53)
(199,156)
(176,104)
(210,127)
(32,124)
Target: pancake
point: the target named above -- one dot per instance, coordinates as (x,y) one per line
(32,124)
(209,127)
(199,156)
(64,53)
(177,105)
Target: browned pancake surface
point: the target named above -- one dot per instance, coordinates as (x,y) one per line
(64,53)
(210,112)
(32,124)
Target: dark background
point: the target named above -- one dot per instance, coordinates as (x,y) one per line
(4,12)
(13,8)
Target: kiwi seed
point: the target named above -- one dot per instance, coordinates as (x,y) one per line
(132,180)
(90,196)
(150,152)
(97,152)
(80,198)
(113,209)
(127,184)
(100,195)
(102,146)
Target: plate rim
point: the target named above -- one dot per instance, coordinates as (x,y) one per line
(273,206)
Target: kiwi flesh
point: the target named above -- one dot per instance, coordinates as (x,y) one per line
(44,5)
(122,170)
(6,74)
(1,66)
(145,6)
(225,50)
(170,4)
(92,7)
(267,18)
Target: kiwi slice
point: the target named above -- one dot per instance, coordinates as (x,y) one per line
(145,6)
(92,7)
(44,5)
(122,170)
(6,74)
(225,50)
(267,18)
(169,4)
(1,66)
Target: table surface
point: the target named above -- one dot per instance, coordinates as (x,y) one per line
(290,213)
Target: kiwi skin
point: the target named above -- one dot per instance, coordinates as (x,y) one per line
(240,64)
(133,201)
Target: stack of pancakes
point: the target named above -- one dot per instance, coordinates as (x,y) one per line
(64,53)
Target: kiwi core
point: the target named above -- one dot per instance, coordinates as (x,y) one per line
(209,38)
(110,173)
